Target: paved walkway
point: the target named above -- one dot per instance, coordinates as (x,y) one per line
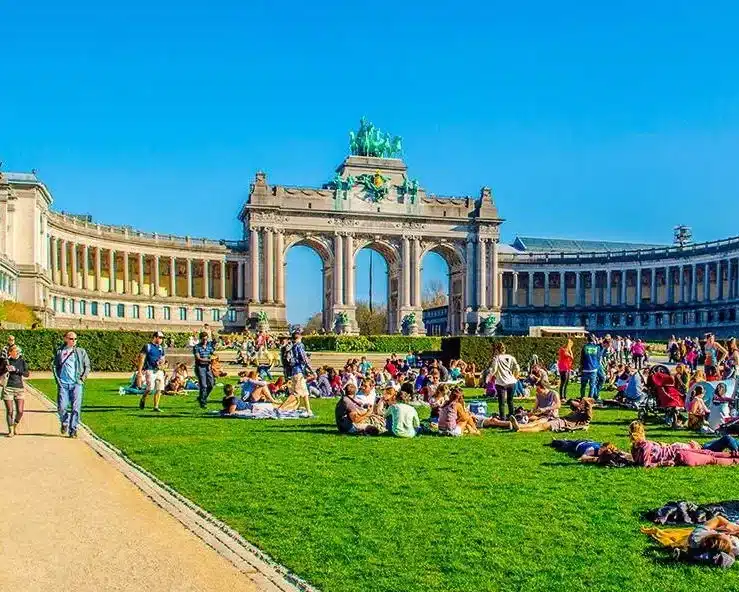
(71,521)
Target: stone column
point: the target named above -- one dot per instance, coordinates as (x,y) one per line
(593,290)
(73,253)
(206,279)
(240,280)
(85,267)
(141,273)
(126,279)
(623,287)
(63,263)
(269,269)
(639,272)
(706,282)
(494,274)
(111,270)
(653,287)
(98,268)
(406,256)
(416,263)
(546,288)
(349,264)
(172,277)
(694,283)
(578,288)
(530,290)
(223,282)
(469,296)
(514,288)
(156,275)
(253,264)
(480,275)
(188,264)
(609,285)
(54,262)
(338,270)
(563,289)
(719,279)
(279,267)
(682,283)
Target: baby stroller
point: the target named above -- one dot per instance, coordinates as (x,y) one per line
(663,400)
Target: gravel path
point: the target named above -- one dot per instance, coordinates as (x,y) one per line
(73,522)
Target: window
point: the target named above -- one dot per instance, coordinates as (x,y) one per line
(106,309)
(94,309)
(149,312)
(215,315)
(231,316)
(71,306)
(62,305)
(121,312)
(166,313)
(55,304)
(183,313)
(198,314)
(83,307)
(135,311)
(698,317)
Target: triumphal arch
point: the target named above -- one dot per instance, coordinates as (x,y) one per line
(373,202)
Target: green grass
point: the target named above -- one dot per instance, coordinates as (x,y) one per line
(496,512)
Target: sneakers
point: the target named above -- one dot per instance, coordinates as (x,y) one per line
(15,429)
(64,429)
(157,409)
(73,434)
(514,423)
(11,431)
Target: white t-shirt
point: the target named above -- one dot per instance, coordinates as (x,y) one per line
(367,399)
(505,368)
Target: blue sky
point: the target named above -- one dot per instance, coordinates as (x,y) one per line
(613,121)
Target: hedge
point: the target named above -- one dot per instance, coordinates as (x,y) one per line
(371,343)
(479,349)
(109,351)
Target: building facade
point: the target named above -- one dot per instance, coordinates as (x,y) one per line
(78,273)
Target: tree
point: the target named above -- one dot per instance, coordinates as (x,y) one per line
(434,294)
(314,324)
(371,323)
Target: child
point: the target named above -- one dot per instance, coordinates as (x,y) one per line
(698,412)
(402,418)
(13,391)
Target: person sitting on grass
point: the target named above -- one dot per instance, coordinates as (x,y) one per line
(698,412)
(177,381)
(454,419)
(437,401)
(265,361)
(352,418)
(366,394)
(402,419)
(232,403)
(579,419)
(216,368)
(421,379)
(547,402)
(546,407)
(254,390)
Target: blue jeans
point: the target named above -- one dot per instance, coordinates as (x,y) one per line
(589,380)
(206,382)
(721,444)
(67,394)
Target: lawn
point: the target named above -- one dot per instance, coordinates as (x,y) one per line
(496,512)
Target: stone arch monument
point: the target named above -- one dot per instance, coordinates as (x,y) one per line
(371,202)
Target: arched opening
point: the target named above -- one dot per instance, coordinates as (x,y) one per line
(443,285)
(435,286)
(308,290)
(373,291)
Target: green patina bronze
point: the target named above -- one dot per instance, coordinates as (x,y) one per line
(342,186)
(371,141)
(409,187)
(375,186)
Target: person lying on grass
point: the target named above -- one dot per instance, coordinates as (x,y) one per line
(651,454)
(719,538)
(546,407)
(454,419)
(579,419)
(352,418)
(590,451)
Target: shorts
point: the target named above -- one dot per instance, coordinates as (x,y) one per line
(154,381)
(13,392)
(298,386)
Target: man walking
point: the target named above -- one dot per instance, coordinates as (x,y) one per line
(297,366)
(151,370)
(203,351)
(71,366)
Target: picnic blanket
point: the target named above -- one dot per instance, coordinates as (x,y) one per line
(685,512)
(264,411)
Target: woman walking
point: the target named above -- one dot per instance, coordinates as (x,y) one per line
(505,368)
(565,358)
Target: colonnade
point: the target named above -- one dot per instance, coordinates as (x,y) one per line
(688,283)
(82,266)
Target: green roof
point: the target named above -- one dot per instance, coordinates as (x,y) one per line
(563,245)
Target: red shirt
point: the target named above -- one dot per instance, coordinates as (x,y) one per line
(564,361)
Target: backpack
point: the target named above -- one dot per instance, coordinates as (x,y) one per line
(288,357)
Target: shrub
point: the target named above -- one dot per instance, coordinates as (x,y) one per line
(371,343)
(17,313)
(110,351)
(479,349)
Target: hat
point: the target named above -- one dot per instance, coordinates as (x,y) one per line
(297,331)
(158,334)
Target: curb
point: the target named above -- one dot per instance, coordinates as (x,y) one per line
(265,572)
